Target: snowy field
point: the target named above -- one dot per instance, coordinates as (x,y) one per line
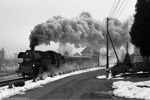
(127,89)
(6,93)
(140,90)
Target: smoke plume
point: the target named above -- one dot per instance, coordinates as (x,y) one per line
(119,32)
(81,31)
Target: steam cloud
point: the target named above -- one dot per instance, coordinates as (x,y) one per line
(66,49)
(80,31)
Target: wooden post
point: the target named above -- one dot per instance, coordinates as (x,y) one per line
(107,52)
(99,58)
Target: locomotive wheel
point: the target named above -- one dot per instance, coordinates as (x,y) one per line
(36,72)
(23,75)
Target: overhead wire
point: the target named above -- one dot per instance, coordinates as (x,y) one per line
(118,9)
(112,8)
(115,8)
(122,9)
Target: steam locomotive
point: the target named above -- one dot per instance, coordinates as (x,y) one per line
(36,62)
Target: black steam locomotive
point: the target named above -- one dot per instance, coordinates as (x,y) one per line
(36,62)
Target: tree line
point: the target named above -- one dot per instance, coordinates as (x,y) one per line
(7,63)
(140,30)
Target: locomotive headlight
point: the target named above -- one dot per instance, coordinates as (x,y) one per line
(33,65)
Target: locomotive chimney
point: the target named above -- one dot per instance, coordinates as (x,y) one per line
(32,48)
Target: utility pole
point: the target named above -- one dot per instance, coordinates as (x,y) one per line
(127,46)
(107,51)
(99,58)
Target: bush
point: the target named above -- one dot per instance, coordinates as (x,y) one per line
(115,70)
(121,68)
(19,83)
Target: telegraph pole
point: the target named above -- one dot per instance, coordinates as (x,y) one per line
(127,46)
(107,51)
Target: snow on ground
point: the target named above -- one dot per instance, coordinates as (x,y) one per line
(109,77)
(5,92)
(127,89)
(101,77)
(139,90)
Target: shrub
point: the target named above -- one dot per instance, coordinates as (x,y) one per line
(115,70)
(120,68)
(19,83)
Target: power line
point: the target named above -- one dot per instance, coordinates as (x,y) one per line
(122,9)
(119,8)
(112,8)
(115,8)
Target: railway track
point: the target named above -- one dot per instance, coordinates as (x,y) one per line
(12,80)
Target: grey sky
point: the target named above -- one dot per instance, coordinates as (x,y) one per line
(18,17)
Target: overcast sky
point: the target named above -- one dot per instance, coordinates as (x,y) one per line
(18,17)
